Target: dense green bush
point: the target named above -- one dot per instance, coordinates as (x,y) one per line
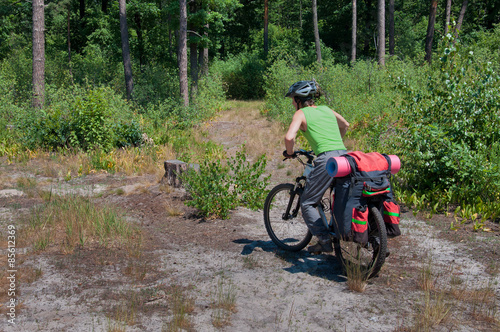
(242,75)
(448,135)
(216,188)
(82,119)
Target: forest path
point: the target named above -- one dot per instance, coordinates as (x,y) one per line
(193,274)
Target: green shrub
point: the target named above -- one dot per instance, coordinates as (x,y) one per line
(216,188)
(242,75)
(83,119)
(449,132)
(249,185)
(210,190)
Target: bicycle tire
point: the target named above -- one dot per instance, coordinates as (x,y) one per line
(289,232)
(370,257)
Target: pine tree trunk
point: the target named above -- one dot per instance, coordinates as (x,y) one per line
(381,32)
(430,31)
(104,6)
(193,52)
(140,40)
(316,30)
(448,14)
(193,60)
(82,9)
(392,43)
(354,30)
(205,53)
(38,78)
(266,23)
(182,52)
(68,21)
(127,63)
(461,18)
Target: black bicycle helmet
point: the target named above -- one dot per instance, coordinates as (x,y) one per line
(302,89)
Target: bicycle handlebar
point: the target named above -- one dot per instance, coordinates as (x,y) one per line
(308,154)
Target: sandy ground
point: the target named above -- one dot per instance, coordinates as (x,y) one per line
(203,263)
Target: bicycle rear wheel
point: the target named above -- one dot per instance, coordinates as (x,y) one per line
(365,260)
(283,219)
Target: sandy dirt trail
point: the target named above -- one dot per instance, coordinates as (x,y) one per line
(228,276)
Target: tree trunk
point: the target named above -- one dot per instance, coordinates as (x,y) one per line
(392,43)
(127,63)
(381,32)
(316,30)
(354,30)
(266,23)
(82,9)
(448,14)
(38,53)
(193,51)
(69,43)
(173,171)
(182,52)
(205,52)
(193,59)
(461,18)
(140,40)
(104,6)
(366,47)
(430,32)
(300,14)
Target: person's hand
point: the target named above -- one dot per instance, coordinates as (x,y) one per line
(289,156)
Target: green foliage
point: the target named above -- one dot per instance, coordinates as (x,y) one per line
(211,96)
(448,139)
(210,189)
(89,116)
(216,188)
(249,185)
(82,119)
(242,75)
(101,160)
(362,93)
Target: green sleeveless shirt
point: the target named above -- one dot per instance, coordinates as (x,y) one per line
(323,133)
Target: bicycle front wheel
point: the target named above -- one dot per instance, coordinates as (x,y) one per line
(283,219)
(365,260)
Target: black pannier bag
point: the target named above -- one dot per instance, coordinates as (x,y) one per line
(369,177)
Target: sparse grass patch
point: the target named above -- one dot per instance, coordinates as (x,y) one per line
(224,303)
(182,305)
(427,280)
(432,312)
(172,211)
(76,221)
(480,302)
(164,187)
(250,262)
(27,185)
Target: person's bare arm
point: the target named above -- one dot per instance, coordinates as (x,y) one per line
(343,124)
(298,119)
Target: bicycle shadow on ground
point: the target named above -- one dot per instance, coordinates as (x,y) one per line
(324,266)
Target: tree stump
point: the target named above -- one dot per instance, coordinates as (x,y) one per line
(173,170)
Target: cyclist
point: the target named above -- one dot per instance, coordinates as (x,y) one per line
(324,130)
